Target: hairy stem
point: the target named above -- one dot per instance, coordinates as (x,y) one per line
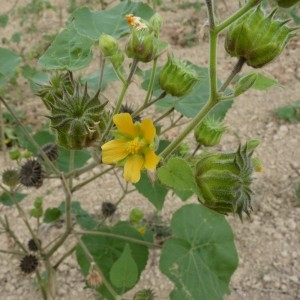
(150,87)
(237,68)
(117,236)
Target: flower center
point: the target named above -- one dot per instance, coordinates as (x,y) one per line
(133,147)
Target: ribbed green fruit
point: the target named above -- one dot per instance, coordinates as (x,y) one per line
(257,38)
(177,77)
(224,180)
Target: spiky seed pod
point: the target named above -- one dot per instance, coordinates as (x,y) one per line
(224,180)
(32,173)
(51,151)
(108,209)
(10,177)
(32,246)
(209,132)
(77,119)
(126,108)
(29,263)
(257,38)
(54,89)
(145,294)
(177,77)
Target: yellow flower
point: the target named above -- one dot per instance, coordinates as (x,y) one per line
(133,146)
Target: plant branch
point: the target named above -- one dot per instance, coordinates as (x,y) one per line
(31,139)
(80,185)
(250,4)
(117,236)
(150,86)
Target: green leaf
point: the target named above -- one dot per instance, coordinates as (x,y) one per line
(154,192)
(290,113)
(264,82)
(9,61)
(51,215)
(69,51)
(3,20)
(34,77)
(92,79)
(177,174)
(16,37)
(5,199)
(124,272)
(107,250)
(91,23)
(201,257)
(83,218)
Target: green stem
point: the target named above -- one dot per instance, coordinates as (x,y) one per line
(132,70)
(71,167)
(236,15)
(84,169)
(64,256)
(102,64)
(237,68)
(117,236)
(31,139)
(12,252)
(145,105)
(80,185)
(120,75)
(3,146)
(41,285)
(91,260)
(169,111)
(211,16)
(150,87)
(6,227)
(198,118)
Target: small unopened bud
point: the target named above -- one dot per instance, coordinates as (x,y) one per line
(177,78)
(156,23)
(108,45)
(117,59)
(10,177)
(244,84)
(287,3)
(142,45)
(136,215)
(209,132)
(257,38)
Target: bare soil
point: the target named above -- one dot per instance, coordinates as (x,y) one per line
(268,244)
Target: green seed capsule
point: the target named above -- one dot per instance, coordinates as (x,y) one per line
(257,38)
(224,180)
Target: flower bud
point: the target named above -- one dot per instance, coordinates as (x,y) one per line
(156,22)
(244,84)
(209,132)
(10,177)
(224,180)
(142,45)
(177,78)
(287,3)
(257,38)
(117,59)
(108,45)
(77,119)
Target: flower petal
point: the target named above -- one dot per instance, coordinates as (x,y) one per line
(125,125)
(148,130)
(114,151)
(133,167)
(151,160)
